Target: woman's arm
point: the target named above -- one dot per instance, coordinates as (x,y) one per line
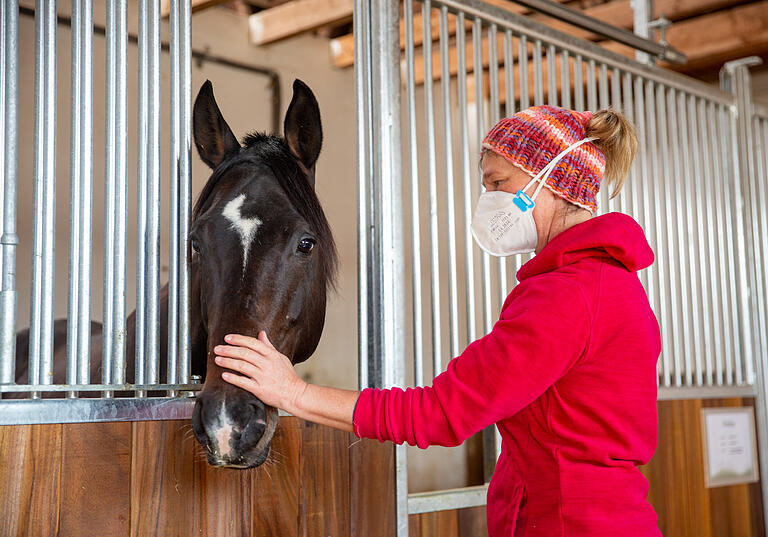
(270,376)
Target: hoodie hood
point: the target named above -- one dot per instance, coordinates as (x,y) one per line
(613,235)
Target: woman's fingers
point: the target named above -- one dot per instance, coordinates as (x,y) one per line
(246,341)
(264,339)
(246,383)
(241,366)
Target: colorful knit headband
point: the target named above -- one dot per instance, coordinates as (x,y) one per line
(531,138)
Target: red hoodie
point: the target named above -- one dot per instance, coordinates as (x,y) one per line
(568,374)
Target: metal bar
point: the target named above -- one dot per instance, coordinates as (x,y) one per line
(667,277)
(551,75)
(173,198)
(510,107)
(535,30)
(692,211)
(591,86)
(656,271)
(81,153)
(761,183)
(616,105)
(538,83)
(495,111)
(445,85)
(58,388)
(469,255)
(681,196)
(578,81)
(185,54)
(142,189)
(443,500)
(41,325)
(434,244)
(522,60)
(603,87)
(9,239)
(565,78)
(41,411)
(713,211)
(704,392)
(477,36)
(410,91)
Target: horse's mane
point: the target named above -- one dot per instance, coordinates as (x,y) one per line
(273,152)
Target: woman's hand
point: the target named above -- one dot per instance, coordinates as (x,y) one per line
(264,372)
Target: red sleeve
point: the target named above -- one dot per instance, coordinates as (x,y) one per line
(541,334)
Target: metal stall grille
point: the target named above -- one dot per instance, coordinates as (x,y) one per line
(69,381)
(685,189)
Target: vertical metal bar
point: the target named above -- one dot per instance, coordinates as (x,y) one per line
(41,325)
(477,36)
(708,134)
(578,82)
(603,86)
(538,83)
(410,92)
(148,260)
(115,198)
(445,86)
(81,152)
(680,197)
(616,105)
(641,211)
(493,70)
(434,245)
(690,266)
(657,269)
(698,188)
(552,75)
(667,277)
(185,186)
(173,198)
(380,64)
(509,70)
(565,78)
(9,239)
(469,255)
(761,183)
(591,85)
(522,60)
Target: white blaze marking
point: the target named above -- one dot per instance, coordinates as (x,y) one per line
(245,227)
(224,433)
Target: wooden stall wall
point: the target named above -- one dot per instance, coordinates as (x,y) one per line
(150,479)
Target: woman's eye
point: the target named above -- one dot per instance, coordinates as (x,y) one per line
(306,245)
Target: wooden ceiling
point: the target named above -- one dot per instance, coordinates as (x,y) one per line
(708,32)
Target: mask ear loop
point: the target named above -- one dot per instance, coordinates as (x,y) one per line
(547,170)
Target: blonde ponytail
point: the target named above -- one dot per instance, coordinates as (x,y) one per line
(617,140)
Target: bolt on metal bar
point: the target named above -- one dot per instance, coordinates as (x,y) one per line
(41,322)
(9,240)
(445,86)
(469,255)
(410,90)
(81,158)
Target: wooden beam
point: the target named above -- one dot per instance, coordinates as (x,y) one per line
(343,48)
(197,5)
(295,17)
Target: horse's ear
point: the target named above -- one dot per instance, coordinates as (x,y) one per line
(213,137)
(302,128)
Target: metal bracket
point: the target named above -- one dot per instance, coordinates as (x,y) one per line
(661,24)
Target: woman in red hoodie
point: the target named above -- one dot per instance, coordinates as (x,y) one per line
(568,373)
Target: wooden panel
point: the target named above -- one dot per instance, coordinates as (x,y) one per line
(275,503)
(372,487)
(324,487)
(30,476)
(676,475)
(470,522)
(95,474)
(162,485)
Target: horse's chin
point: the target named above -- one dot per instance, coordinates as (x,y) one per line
(255,456)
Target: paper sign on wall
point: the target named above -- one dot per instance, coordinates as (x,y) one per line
(730,448)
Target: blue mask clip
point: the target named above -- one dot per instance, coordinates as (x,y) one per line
(523,202)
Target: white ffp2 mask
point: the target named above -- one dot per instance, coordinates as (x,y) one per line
(503,222)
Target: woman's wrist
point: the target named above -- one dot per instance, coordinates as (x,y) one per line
(295,397)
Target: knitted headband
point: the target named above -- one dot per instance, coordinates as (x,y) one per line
(531,138)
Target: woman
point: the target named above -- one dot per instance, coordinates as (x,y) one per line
(568,372)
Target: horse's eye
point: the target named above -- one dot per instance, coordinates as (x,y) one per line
(306,245)
(195,246)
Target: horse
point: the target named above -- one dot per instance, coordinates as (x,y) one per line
(261,257)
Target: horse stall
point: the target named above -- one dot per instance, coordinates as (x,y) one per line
(103,425)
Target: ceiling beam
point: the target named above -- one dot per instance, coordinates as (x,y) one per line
(295,17)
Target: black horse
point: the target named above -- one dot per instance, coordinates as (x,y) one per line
(262,258)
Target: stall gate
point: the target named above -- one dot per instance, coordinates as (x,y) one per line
(698,188)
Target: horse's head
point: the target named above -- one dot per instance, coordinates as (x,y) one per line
(262,259)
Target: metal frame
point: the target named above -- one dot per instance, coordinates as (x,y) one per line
(701,357)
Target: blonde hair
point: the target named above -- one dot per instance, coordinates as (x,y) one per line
(617,140)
